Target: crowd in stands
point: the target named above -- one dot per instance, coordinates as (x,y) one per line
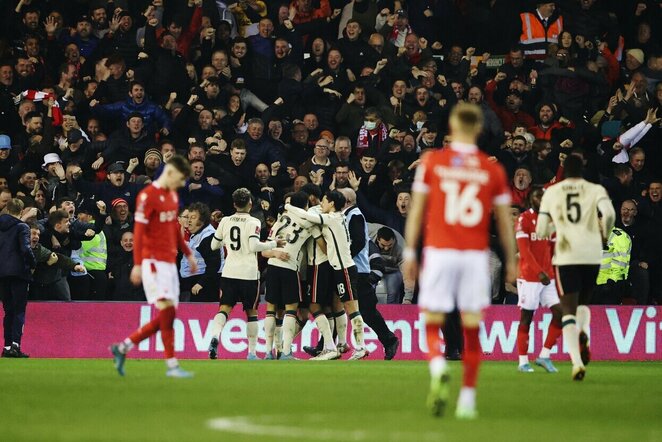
(96,95)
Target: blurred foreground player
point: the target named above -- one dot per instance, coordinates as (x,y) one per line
(156,238)
(572,206)
(535,286)
(454,193)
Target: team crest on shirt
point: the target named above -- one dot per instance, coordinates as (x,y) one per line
(457,161)
(162,198)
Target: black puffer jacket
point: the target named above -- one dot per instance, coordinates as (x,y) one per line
(15,248)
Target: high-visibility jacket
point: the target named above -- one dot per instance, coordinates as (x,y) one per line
(615,263)
(94,253)
(535,37)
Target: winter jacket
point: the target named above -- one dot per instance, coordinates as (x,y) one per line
(15,248)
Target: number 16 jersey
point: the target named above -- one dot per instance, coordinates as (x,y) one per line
(463,186)
(234,232)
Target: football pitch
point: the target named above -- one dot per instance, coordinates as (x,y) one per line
(85,400)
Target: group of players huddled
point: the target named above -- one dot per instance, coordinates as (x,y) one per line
(308,228)
(310,238)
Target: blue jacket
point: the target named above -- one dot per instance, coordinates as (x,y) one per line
(152,113)
(15,249)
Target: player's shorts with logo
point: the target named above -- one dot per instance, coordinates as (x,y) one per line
(345,281)
(452,279)
(319,279)
(534,294)
(244,291)
(160,281)
(283,286)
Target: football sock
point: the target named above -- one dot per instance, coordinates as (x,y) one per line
(219,322)
(126,346)
(172,363)
(142,333)
(167,316)
(289,329)
(357,329)
(553,332)
(252,334)
(437,362)
(332,323)
(523,343)
(322,324)
(341,326)
(269,330)
(471,357)
(467,397)
(279,335)
(583,318)
(571,337)
(299,326)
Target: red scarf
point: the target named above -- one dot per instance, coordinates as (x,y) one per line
(37,96)
(366,138)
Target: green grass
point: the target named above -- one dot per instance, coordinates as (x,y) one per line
(85,400)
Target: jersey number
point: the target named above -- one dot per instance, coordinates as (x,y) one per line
(573,208)
(462,206)
(295,233)
(235,237)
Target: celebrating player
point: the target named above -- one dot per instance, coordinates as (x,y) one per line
(455,191)
(334,230)
(321,297)
(283,283)
(155,240)
(572,206)
(240,279)
(535,286)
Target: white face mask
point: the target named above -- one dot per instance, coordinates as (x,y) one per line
(370,125)
(419,125)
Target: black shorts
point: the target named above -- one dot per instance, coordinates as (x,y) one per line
(319,280)
(283,286)
(345,282)
(577,279)
(245,291)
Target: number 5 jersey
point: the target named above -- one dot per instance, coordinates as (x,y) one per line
(572,205)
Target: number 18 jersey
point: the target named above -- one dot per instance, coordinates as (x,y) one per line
(462,187)
(235,231)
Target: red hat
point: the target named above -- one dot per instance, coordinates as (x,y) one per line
(117,201)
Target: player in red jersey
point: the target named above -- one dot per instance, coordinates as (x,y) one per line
(535,285)
(454,193)
(157,236)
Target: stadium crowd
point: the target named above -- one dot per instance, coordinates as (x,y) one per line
(274,96)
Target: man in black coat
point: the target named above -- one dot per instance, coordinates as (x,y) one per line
(15,275)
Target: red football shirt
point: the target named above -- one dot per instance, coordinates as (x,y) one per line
(463,186)
(535,254)
(157,233)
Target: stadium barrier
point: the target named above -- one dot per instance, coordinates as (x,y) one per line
(84,330)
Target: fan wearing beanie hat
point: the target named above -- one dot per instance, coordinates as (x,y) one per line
(152,162)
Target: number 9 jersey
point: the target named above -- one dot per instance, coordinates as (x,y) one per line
(462,187)
(235,231)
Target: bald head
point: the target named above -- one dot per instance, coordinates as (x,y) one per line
(350,196)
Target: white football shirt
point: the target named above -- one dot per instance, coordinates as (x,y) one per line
(296,232)
(234,232)
(572,205)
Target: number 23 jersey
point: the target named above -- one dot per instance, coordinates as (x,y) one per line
(462,187)
(235,232)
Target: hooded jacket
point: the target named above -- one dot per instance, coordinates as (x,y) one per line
(15,248)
